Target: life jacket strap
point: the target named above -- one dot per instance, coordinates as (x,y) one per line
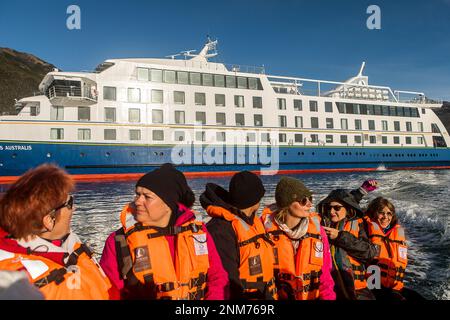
(255,239)
(174,230)
(312,275)
(73,258)
(56,276)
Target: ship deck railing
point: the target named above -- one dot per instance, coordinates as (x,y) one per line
(60,91)
(344,90)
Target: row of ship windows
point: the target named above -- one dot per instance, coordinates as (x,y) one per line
(200,136)
(198,79)
(134,116)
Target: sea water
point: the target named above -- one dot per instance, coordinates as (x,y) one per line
(421,198)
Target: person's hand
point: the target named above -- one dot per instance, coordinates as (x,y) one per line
(332,233)
(369,185)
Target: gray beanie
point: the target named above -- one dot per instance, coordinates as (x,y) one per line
(289,190)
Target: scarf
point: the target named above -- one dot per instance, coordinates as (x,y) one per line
(295,233)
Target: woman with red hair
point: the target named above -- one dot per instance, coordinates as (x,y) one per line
(35,236)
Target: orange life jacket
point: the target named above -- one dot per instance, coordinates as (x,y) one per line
(393,254)
(255,255)
(358,269)
(301,270)
(81,278)
(151,262)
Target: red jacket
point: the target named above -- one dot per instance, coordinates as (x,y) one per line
(217,287)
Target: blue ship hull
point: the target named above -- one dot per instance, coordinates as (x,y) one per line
(86,159)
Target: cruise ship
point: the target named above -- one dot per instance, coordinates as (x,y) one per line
(209,118)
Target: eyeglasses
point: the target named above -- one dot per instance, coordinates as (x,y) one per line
(305,200)
(382,213)
(68,204)
(336,207)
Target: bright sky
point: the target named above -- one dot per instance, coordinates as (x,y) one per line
(312,39)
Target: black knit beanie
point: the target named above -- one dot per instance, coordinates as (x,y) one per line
(245,190)
(169,184)
(289,190)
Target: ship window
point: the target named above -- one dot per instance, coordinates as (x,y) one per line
(195,78)
(135,134)
(158,135)
(200,117)
(219,80)
(282,122)
(57,113)
(407,112)
(420,126)
(329,122)
(84,134)
(157,96)
(328,106)
(142,74)
(384,125)
(257,102)
(355,108)
(298,105)
(265,137)
(314,138)
(220,136)
(258,118)
(109,93)
(392,111)
(435,128)
(408,126)
(242,83)
(220,100)
(341,107)
(34,111)
(408,140)
(239,101)
(253,83)
(220,118)
(344,139)
(423,110)
(363,109)
(179,117)
(420,140)
(56,133)
(372,139)
(370,109)
(200,136)
(329,138)
(400,112)
(371,125)
(414,113)
(378,111)
(397,125)
(230,81)
(200,99)
(383,139)
(178,97)
(157,116)
(344,124)
(179,135)
(240,119)
(207,79)
(396,140)
(349,108)
(282,137)
(84,114)
(298,137)
(134,95)
(109,134)
(358,125)
(156,75)
(385,110)
(313,106)
(134,115)
(299,122)
(358,139)
(314,122)
(182,77)
(110,114)
(169,76)
(281,102)
(251,137)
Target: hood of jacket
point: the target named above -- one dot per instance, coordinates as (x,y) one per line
(216,196)
(343,196)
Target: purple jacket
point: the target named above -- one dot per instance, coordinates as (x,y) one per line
(217,286)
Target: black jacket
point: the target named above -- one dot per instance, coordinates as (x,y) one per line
(224,236)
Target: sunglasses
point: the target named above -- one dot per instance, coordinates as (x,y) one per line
(336,207)
(305,200)
(68,204)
